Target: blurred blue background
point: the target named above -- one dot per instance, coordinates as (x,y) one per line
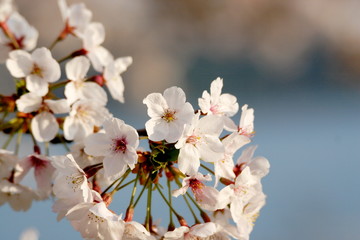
(297,69)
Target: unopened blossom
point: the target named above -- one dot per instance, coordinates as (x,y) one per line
(18,196)
(83,117)
(200,140)
(136,231)
(78,87)
(113,80)
(75,16)
(6,9)
(25,35)
(95,221)
(38,68)
(7,162)
(118,146)
(206,197)
(169,113)
(43,172)
(44,125)
(214,103)
(93,37)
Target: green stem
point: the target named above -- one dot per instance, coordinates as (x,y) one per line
(47,151)
(112,184)
(122,180)
(6,144)
(126,184)
(134,190)
(59,84)
(148,208)
(18,141)
(167,202)
(170,201)
(208,169)
(142,191)
(191,210)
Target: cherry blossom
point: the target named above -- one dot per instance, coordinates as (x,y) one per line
(39,69)
(43,171)
(113,80)
(83,117)
(76,17)
(200,140)
(207,197)
(7,162)
(6,9)
(118,146)
(18,196)
(25,35)
(95,221)
(169,113)
(78,87)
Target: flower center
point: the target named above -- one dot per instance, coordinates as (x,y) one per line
(37,71)
(193,139)
(169,116)
(120,145)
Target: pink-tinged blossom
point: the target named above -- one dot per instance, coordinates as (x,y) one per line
(214,103)
(38,68)
(95,221)
(43,172)
(200,140)
(83,117)
(246,124)
(118,146)
(25,35)
(7,162)
(44,125)
(206,197)
(113,80)
(18,196)
(259,166)
(75,16)
(78,87)
(169,113)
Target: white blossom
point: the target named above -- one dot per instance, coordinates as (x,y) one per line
(39,69)
(200,140)
(25,35)
(84,116)
(169,113)
(18,196)
(78,87)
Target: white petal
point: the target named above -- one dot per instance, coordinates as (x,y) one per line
(44,127)
(156,104)
(97,144)
(121,64)
(188,160)
(175,97)
(37,85)
(58,106)
(29,102)
(77,68)
(20,63)
(157,130)
(50,68)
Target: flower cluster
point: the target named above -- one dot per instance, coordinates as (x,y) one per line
(187,147)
